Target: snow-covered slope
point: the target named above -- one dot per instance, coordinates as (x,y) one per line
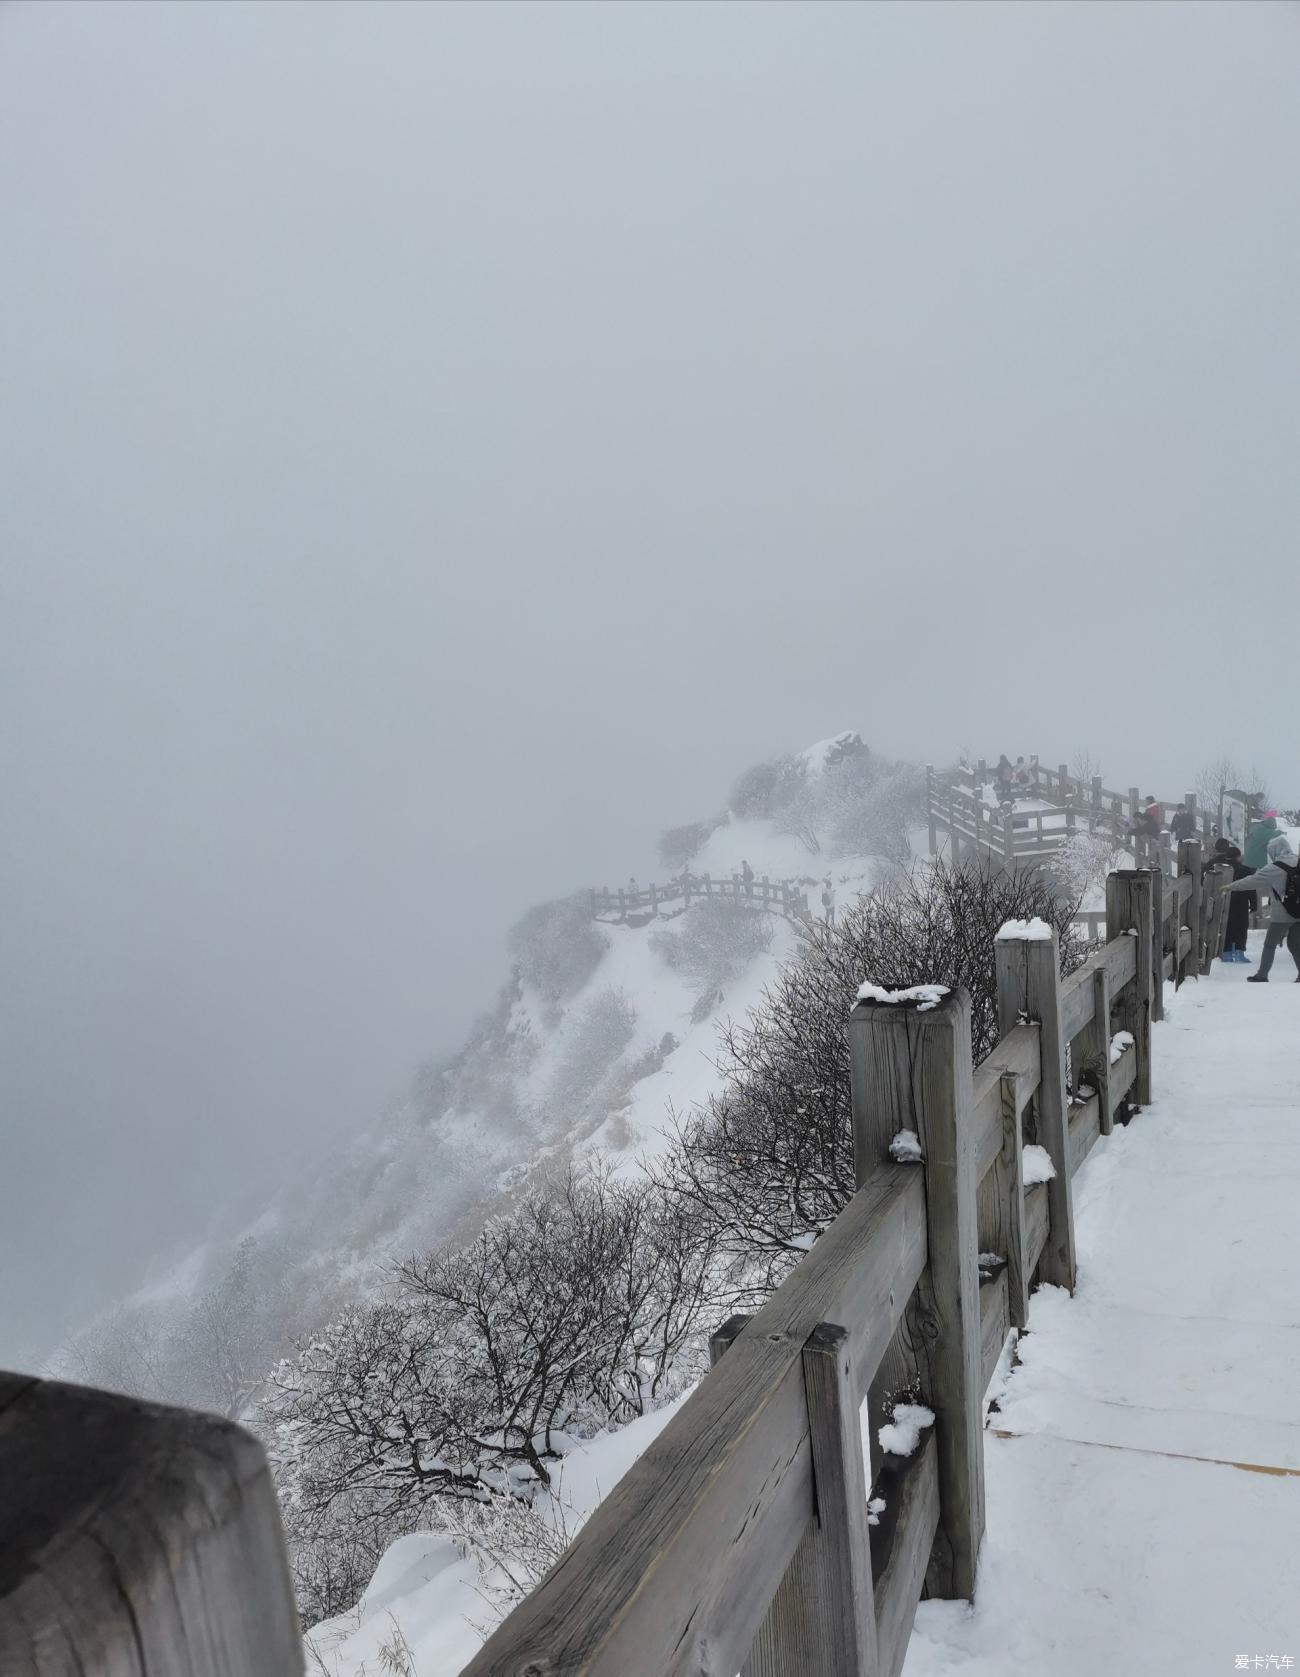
(600,1030)
(1153,1389)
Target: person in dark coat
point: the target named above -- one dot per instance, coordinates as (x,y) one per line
(1240,903)
(1183,825)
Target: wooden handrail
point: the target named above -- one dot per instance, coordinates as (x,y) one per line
(137,1541)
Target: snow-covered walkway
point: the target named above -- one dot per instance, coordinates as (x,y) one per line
(1143,1470)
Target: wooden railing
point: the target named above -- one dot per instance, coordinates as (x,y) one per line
(785,896)
(970,825)
(137,1541)
(740,1540)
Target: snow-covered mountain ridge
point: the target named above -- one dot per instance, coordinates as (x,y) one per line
(599,1031)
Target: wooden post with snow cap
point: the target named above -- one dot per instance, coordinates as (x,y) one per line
(1028,963)
(1128,909)
(910,1070)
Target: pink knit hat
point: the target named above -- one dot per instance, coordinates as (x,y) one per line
(1270,815)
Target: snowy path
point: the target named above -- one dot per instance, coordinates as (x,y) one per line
(1120,1536)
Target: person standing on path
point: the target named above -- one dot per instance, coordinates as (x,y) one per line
(1258,839)
(1280,876)
(1239,907)
(1183,825)
(828,900)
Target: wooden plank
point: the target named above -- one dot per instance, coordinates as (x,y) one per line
(914,1064)
(1128,903)
(822,1617)
(1123,1075)
(1085,1128)
(843,1611)
(137,1541)
(1161,897)
(1119,957)
(1029,986)
(916,1499)
(1077,1000)
(995,1324)
(1016,1055)
(1190,859)
(1184,887)
(1216,909)
(1037,1221)
(1099,1062)
(675,1569)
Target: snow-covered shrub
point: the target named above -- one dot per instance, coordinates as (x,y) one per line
(556,947)
(766,1163)
(1082,864)
(583,1308)
(872,804)
(715,940)
(768,787)
(847,799)
(678,845)
(512,1543)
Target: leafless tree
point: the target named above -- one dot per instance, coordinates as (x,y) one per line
(766,1163)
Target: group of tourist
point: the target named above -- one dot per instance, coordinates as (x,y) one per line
(1268,869)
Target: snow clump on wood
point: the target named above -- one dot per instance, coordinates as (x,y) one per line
(901,1436)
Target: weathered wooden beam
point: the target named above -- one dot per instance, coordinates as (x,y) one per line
(1163,899)
(1085,1128)
(995,1323)
(1099,1058)
(1128,907)
(899,1587)
(1189,862)
(674,1571)
(1029,987)
(911,1061)
(1011,1205)
(1123,1075)
(1037,1222)
(136,1541)
(822,1617)
(1016,1055)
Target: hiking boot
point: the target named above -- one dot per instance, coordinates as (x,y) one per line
(1258,978)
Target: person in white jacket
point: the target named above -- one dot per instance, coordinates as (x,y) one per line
(1283,926)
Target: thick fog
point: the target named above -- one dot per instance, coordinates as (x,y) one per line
(441,445)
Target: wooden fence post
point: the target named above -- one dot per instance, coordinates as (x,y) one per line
(1189,861)
(1216,912)
(138,1541)
(1128,908)
(954,843)
(929,809)
(823,1615)
(1029,987)
(1157,941)
(910,1068)
(1011,1201)
(1101,1048)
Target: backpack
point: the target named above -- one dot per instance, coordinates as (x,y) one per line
(1291,896)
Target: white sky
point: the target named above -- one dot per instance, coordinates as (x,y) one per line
(441,445)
